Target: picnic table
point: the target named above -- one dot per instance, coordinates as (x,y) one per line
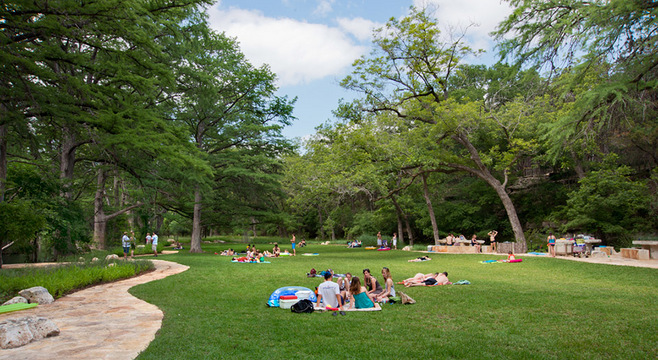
(651,245)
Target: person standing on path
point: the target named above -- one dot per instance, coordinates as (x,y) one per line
(154,244)
(492,238)
(292,241)
(125,243)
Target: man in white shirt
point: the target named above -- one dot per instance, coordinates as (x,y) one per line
(154,244)
(125,243)
(329,291)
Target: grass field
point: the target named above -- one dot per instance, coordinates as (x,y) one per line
(541,308)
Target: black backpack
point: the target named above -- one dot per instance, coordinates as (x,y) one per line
(302,306)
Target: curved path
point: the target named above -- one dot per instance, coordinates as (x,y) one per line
(101,322)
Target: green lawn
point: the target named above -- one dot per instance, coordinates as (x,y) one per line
(540,309)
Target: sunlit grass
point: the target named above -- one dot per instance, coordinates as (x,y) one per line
(541,308)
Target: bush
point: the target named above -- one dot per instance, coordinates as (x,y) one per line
(63,279)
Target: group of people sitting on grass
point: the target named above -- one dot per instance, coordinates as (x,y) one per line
(353,293)
(354,244)
(252,254)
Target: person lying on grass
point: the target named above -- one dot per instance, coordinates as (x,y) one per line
(389,289)
(427,280)
(359,297)
(420,258)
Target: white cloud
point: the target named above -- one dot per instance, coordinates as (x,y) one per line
(324,7)
(486,14)
(359,27)
(298,52)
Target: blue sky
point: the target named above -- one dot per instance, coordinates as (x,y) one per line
(311,44)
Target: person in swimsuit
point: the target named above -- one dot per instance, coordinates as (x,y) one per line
(551,244)
(475,243)
(492,238)
(374,288)
(433,279)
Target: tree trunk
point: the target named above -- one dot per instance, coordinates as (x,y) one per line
(67,160)
(321,223)
(483,173)
(100,218)
(3,163)
(195,244)
(430,209)
(398,215)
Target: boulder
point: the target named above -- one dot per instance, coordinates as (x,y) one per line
(171,240)
(112,257)
(18,332)
(16,300)
(599,254)
(140,246)
(37,294)
(81,259)
(406,248)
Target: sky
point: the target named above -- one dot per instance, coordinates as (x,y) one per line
(311,44)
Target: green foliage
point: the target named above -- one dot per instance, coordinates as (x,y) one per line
(610,204)
(63,279)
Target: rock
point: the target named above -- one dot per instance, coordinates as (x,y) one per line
(37,294)
(18,332)
(599,254)
(81,259)
(141,246)
(112,257)
(171,240)
(406,248)
(16,300)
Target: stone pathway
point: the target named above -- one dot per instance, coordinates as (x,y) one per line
(102,322)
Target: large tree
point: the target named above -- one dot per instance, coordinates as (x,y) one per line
(229,109)
(408,74)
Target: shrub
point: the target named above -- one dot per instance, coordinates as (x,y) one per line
(63,279)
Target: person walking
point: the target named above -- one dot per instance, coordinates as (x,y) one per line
(154,244)
(125,243)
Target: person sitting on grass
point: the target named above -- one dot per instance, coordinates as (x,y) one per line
(359,297)
(276,250)
(420,258)
(345,287)
(228,252)
(371,283)
(510,256)
(329,292)
(389,289)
